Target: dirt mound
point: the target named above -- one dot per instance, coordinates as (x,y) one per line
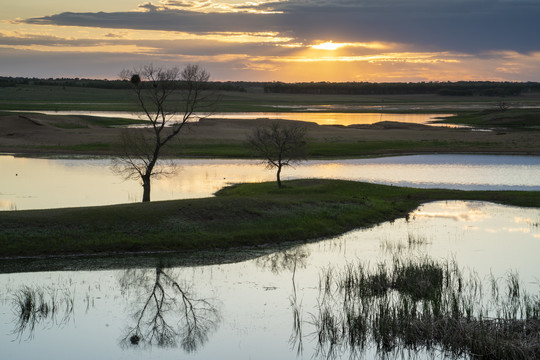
(19,123)
(392,125)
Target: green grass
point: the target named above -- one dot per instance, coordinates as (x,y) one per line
(511,119)
(56,98)
(342,149)
(315,150)
(243,215)
(37,97)
(328,150)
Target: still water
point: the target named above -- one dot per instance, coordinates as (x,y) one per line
(261,307)
(40,183)
(310,115)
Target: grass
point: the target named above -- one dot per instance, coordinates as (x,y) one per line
(421,304)
(315,150)
(329,149)
(342,149)
(528,119)
(242,215)
(56,98)
(36,97)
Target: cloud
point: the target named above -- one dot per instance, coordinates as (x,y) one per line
(44,40)
(148,7)
(364,40)
(460,25)
(179,46)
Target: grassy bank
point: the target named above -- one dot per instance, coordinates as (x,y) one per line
(522,119)
(58,98)
(315,150)
(90,135)
(243,215)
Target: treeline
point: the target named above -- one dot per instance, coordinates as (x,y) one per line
(460,88)
(103,84)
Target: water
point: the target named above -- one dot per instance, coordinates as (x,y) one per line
(245,308)
(40,183)
(245,302)
(310,115)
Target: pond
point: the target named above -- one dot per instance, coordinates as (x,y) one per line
(316,116)
(252,304)
(40,183)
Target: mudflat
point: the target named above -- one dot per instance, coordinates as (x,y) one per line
(38,133)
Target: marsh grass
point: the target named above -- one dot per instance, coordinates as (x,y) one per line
(419,304)
(41,306)
(511,119)
(415,241)
(412,243)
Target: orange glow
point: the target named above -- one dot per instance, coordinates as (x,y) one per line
(328,46)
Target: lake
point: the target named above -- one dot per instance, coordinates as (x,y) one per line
(40,183)
(255,304)
(310,115)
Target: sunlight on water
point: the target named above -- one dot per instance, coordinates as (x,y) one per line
(247,309)
(38,183)
(321,118)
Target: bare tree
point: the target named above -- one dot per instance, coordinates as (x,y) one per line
(169,312)
(280,145)
(168,98)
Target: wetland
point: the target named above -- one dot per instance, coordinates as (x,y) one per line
(227,265)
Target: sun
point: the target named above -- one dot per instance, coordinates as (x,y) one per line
(329,45)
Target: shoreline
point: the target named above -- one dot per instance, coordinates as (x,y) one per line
(258,214)
(225,138)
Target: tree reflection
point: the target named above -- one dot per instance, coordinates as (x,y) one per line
(286,260)
(169,314)
(289,260)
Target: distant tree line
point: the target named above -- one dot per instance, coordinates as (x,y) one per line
(460,88)
(105,84)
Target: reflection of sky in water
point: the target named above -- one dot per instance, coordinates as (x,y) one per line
(321,118)
(254,296)
(30,183)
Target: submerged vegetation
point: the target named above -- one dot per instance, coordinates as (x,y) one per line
(240,215)
(419,304)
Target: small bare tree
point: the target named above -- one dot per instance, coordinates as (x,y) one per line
(169,314)
(279,145)
(168,98)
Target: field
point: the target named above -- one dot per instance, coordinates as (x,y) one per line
(513,131)
(312,209)
(33,97)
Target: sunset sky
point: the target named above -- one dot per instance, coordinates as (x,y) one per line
(286,40)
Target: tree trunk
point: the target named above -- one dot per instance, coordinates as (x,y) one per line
(278,177)
(146,188)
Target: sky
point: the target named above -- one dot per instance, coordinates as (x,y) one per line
(279,40)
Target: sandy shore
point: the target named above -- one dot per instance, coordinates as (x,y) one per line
(37,133)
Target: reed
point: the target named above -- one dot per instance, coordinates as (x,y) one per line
(35,305)
(419,304)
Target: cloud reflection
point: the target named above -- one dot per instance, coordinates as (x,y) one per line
(470,216)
